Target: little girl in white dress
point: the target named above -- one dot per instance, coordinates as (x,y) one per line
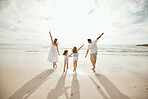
(54,51)
(66,58)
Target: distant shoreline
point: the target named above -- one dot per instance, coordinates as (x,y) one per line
(142,45)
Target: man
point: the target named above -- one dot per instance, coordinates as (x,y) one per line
(93,47)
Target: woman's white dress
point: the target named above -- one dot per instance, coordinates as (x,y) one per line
(53,54)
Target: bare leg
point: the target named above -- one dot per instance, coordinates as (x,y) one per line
(75,65)
(93,63)
(54,64)
(67,66)
(64,67)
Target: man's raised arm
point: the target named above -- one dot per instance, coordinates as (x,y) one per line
(100,36)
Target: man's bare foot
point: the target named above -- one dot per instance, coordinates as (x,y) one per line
(67,67)
(93,68)
(56,66)
(94,71)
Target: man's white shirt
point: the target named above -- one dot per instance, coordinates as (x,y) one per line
(93,46)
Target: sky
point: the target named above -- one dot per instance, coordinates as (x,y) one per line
(73,21)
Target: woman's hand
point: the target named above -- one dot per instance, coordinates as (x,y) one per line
(49,32)
(51,36)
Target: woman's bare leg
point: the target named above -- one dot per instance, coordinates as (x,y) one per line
(54,64)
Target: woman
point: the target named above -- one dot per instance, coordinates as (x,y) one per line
(54,51)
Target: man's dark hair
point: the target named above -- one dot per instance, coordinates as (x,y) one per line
(89,40)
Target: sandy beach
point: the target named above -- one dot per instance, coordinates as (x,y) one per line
(29,76)
(34,31)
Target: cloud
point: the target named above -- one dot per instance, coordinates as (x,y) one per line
(121,20)
(3,4)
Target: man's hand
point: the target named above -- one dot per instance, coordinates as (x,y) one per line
(86,53)
(85,56)
(100,36)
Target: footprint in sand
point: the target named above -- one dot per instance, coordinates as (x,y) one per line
(134,86)
(98,87)
(72,94)
(40,78)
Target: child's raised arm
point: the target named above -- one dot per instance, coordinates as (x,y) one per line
(80,47)
(70,55)
(51,37)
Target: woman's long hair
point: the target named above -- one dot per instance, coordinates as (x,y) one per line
(55,41)
(74,50)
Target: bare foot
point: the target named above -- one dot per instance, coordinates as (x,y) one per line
(56,66)
(53,67)
(93,68)
(67,67)
(98,87)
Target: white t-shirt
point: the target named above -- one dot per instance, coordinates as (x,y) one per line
(93,46)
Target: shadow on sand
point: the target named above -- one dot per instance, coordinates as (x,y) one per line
(75,88)
(61,89)
(110,88)
(100,90)
(27,89)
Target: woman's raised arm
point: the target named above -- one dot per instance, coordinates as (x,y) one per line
(58,50)
(51,36)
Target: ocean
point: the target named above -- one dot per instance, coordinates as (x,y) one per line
(124,49)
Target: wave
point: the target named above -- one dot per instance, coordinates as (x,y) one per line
(102,49)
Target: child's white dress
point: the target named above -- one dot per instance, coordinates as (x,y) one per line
(66,58)
(53,54)
(75,56)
